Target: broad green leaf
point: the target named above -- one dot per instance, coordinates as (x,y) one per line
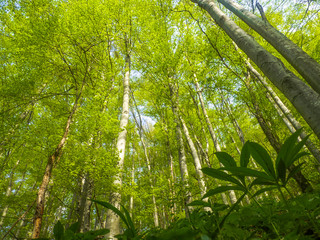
(296,169)
(299,155)
(114,209)
(245,155)
(199,203)
(243,171)
(58,231)
(75,227)
(267,189)
(262,158)
(221,189)
(220,175)
(261,182)
(287,147)
(281,170)
(131,226)
(226,159)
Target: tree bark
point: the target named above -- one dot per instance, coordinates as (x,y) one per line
(140,130)
(216,144)
(113,220)
(305,99)
(52,161)
(182,156)
(300,60)
(196,160)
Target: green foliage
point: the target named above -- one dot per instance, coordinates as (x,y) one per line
(72,233)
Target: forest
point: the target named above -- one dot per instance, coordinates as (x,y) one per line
(160,119)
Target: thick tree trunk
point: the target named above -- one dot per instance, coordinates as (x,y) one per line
(305,99)
(300,60)
(113,220)
(52,161)
(85,204)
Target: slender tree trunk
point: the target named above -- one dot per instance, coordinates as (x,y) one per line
(300,60)
(113,220)
(216,144)
(52,161)
(305,99)
(182,156)
(154,203)
(196,160)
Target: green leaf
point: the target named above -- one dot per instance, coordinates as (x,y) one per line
(199,203)
(221,189)
(296,169)
(75,227)
(261,182)
(226,159)
(215,173)
(281,170)
(114,209)
(243,171)
(245,155)
(131,225)
(262,190)
(58,231)
(262,158)
(287,148)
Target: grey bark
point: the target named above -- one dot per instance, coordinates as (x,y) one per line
(182,156)
(196,159)
(300,60)
(216,144)
(140,130)
(305,99)
(113,220)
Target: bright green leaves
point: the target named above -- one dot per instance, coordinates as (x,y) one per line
(131,232)
(272,174)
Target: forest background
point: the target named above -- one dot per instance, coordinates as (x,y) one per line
(126,101)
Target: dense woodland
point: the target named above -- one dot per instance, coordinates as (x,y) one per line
(160,119)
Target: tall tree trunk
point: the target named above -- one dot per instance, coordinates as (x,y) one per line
(182,156)
(305,99)
(300,60)
(196,160)
(85,204)
(145,150)
(113,220)
(52,161)
(216,144)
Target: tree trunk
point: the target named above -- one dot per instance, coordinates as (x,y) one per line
(300,60)
(52,161)
(196,160)
(182,156)
(113,220)
(155,210)
(305,99)
(232,194)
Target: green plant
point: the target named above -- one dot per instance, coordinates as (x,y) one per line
(130,233)
(72,233)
